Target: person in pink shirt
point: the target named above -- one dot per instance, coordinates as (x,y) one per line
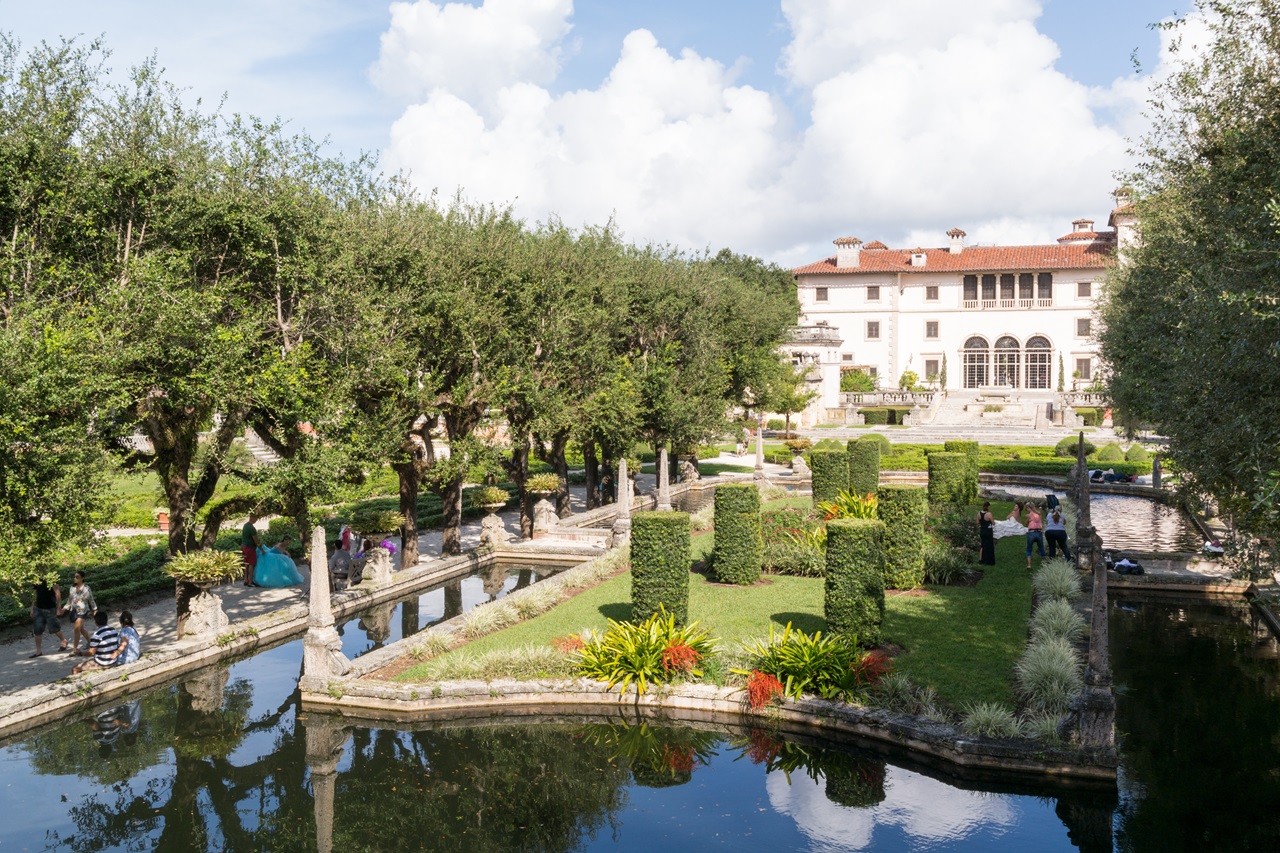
(1035,531)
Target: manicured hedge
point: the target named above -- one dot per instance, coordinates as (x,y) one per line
(970,450)
(1062,467)
(885,444)
(830,473)
(660,564)
(903,510)
(874,416)
(739,550)
(948,473)
(854,600)
(864,466)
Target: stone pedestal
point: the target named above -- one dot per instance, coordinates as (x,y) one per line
(799,467)
(759,472)
(664,481)
(205,617)
(622,522)
(493,534)
(377,566)
(325,741)
(545,518)
(1156,474)
(689,471)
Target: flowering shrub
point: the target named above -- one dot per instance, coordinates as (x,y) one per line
(678,657)
(569,644)
(871,668)
(762,688)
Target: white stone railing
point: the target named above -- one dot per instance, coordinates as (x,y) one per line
(1087,399)
(814,335)
(988,304)
(886,398)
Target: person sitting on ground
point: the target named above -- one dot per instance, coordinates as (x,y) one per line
(130,648)
(1011,525)
(102,645)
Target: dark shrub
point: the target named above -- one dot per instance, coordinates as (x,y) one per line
(948,473)
(736,555)
(830,473)
(1110,453)
(775,424)
(660,564)
(903,510)
(1067,447)
(945,564)
(828,444)
(864,467)
(1137,453)
(957,526)
(854,600)
(970,450)
(874,416)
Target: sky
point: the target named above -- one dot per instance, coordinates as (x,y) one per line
(770,128)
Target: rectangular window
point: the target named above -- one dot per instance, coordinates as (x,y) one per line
(1026,286)
(1084,289)
(1084,327)
(931,369)
(971,288)
(873,330)
(1006,286)
(1046,285)
(847,356)
(931,293)
(873,293)
(1084,366)
(873,372)
(931,329)
(988,287)
(820,294)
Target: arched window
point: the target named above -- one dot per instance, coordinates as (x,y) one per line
(1039,359)
(977,362)
(1007,352)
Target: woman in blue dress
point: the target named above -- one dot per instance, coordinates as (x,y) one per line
(275,568)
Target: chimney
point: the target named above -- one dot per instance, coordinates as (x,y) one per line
(919,258)
(957,240)
(1082,226)
(847,251)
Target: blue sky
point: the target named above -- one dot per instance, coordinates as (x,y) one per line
(770,127)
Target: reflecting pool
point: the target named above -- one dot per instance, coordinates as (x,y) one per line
(226,761)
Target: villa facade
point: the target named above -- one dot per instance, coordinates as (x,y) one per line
(983,317)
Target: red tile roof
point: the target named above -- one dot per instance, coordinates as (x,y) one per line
(1088,235)
(1064,256)
(875,244)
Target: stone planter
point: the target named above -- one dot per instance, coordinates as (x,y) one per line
(544,514)
(205,617)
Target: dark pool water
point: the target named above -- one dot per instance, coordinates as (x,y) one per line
(221,762)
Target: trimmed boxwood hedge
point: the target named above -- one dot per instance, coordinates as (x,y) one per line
(948,473)
(903,510)
(864,466)
(660,562)
(854,599)
(830,474)
(738,552)
(970,450)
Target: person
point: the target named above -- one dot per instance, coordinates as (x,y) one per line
(249,545)
(1010,525)
(103,646)
(81,606)
(275,568)
(45,610)
(1055,533)
(339,568)
(987,556)
(344,538)
(130,648)
(1035,531)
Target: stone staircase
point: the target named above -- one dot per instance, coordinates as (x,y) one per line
(263,454)
(968,410)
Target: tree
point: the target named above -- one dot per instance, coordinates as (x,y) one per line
(789,393)
(1190,322)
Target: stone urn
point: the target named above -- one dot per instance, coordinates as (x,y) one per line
(205,616)
(543,486)
(377,565)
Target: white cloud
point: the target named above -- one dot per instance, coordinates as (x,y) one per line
(922,115)
(471,51)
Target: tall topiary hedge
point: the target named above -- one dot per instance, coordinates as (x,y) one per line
(864,466)
(903,510)
(947,475)
(660,564)
(830,474)
(739,549)
(854,601)
(970,450)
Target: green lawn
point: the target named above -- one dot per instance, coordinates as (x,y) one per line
(961,640)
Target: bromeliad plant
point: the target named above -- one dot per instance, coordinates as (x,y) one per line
(653,651)
(204,567)
(849,505)
(827,666)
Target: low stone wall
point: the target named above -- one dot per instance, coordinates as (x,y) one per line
(371,701)
(34,706)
